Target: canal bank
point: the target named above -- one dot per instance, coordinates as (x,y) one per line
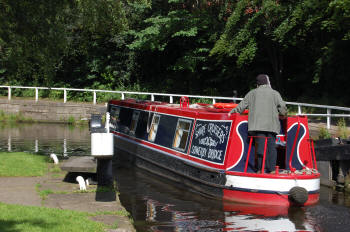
(54,190)
(51,111)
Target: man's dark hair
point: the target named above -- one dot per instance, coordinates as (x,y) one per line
(262,79)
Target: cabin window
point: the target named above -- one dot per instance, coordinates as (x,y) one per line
(181,134)
(154,127)
(114,117)
(134,120)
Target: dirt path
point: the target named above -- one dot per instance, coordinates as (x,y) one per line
(65,195)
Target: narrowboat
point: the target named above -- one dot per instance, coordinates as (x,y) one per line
(210,152)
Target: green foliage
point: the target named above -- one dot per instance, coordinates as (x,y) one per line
(205,47)
(177,38)
(44,193)
(71,120)
(54,94)
(342,129)
(30,48)
(285,31)
(13,118)
(324,134)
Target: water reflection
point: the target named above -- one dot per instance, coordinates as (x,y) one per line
(163,206)
(45,138)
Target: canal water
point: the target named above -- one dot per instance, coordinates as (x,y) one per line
(156,204)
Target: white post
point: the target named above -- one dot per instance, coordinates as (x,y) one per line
(299,109)
(36,94)
(94,97)
(171,100)
(65,147)
(123,97)
(64,95)
(36,149)
(152,97)
(328,118)
(214,101)
(107,122)
(9,147)
(9,93)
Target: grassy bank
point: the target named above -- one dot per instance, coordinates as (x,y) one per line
(31,218)
(22,164)
(16,118)
(13,118)
(34,218)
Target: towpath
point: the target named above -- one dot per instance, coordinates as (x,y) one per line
(65,195)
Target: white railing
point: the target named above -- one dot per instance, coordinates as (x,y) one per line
(328,108)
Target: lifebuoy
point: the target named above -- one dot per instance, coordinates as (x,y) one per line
(225,105)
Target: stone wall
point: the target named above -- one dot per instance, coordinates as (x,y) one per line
(51,111)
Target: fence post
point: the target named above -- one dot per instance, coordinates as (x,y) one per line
(94,97)
(152,97)
(123,97)
(329,118)
(36,94)
(9,93)
(64,95)
(171,100)
(299,109)
(214,101)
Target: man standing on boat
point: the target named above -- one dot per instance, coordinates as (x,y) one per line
(265,105)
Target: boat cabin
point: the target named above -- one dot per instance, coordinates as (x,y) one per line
(205,135)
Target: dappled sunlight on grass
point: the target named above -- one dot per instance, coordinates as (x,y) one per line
(22,164)
(31,218)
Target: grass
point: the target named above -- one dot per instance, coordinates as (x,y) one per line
(31,218)
(100,189)
(71,120)
(22,164)
(13,118)
(118,213)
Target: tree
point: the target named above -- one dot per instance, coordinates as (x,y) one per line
(299,32)
(31,40)
(173,43)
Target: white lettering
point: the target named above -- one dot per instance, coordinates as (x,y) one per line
(200,130)
(199,151)
(208,141)
(214,154)
(217,131)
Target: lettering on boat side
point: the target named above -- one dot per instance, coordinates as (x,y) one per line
(210,140)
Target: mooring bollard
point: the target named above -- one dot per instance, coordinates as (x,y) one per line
(104,172)
(102,149)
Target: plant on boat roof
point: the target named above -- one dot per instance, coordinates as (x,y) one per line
(324,134)
(342,129)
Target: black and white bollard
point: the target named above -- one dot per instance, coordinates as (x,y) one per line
(102,149)
(102,145)
(104,172)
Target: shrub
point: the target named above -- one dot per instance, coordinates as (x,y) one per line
(342,129)
(324,134)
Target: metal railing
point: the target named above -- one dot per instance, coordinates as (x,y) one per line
(328,108)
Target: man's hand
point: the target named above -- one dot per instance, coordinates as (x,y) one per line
(231,112)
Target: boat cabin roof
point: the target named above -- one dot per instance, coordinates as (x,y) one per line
(163,107)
